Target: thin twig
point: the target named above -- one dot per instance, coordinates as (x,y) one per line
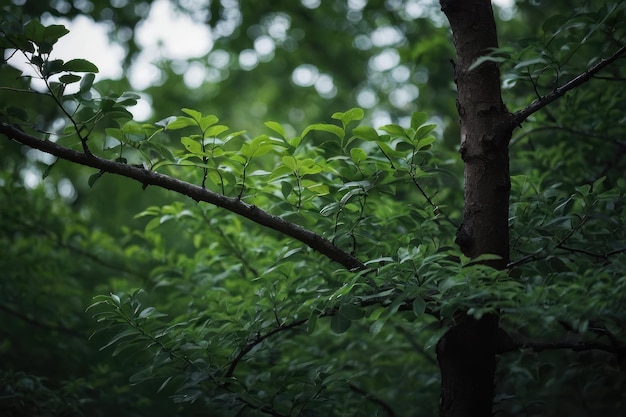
(41,325)
(232,246)
(559,245)
(257,340)
(264,409)
(407,305)
(620,79)
(539,346)
(58,242)
(83,139)
(416,346)
(568,130)
(436,208)
(388,410)
(594,254)
(521,115)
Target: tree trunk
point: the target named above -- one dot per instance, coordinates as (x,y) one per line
(467,352)
(467,363)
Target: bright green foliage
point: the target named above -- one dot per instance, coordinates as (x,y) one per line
(214,312)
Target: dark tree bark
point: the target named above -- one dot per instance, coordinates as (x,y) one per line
(467,363)
(467,352)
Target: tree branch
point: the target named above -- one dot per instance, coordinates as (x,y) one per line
(257,340)
(565,345)
(407,305)
(59,242)
(600,255)
(582,133)
(543,254)
(388,410)
(235,205)
(521,115)
(264,409)
(418,348)
(41,325)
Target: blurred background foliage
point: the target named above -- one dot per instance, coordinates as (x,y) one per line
(298,62)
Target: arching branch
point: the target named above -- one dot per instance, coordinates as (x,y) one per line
(40,324)
(521,115)
(257,340)
(539,346)
(146,177)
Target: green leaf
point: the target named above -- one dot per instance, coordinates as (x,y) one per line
(280,171)
(116,298)
(34,31)
(53,33)
(351,311)
(366,133)
(325,127)
(191,145)
(285,188)
(149,312)
(553,24)
(290,162)
(194,114)
(389,152)
(119,114)
(418,119)
(419,306)
(52,67)
(394,306)
(45,47)
(583,190)
(69,78)
(233,135)
(294,142)
(41,34)
(181,122)
(79,65)
(208,121)
(46,172)
(425,142)
(215,131)
(529,62)
(94,177)
(257,147)
(358,155)
(351,115)
(319,189)
(276,127)
(340,324)
(424,130)
(140,376)
(127,99)
(252,152)
(164,384)
(377,326)
(486,58)
(87,82)
(395,130)
(482,258)
(308,166)
(21,43)
(17,112)
(126,333)
(312,323)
